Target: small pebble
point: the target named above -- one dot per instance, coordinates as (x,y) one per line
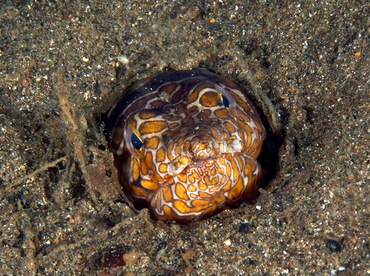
(333,246)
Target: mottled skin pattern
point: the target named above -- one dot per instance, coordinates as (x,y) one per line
(186,143)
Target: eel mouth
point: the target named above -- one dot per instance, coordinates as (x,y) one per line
(199,188)
(203,153)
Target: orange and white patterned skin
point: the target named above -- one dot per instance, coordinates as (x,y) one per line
(186,144)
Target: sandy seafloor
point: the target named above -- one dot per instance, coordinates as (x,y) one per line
(59,62)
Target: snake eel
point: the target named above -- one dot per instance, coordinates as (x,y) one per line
(186,144)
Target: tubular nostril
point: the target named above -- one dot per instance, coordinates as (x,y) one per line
(230,146)
(201,148)
(177,165)
(236,145)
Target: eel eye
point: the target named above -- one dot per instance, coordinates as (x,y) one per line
(136,142)
(133,141)
(225,101)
